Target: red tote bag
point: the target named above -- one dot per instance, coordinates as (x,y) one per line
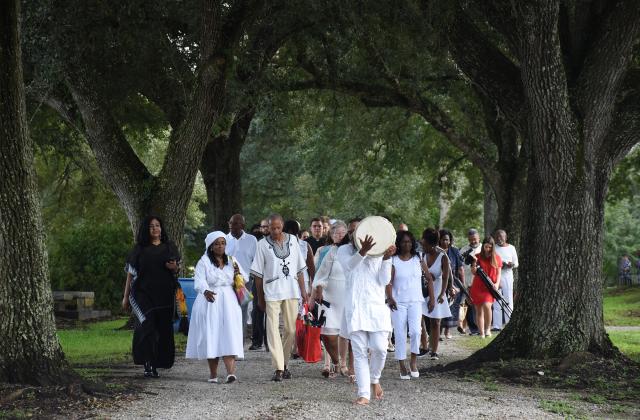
(308,341)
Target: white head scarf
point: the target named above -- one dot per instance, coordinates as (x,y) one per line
(211,238)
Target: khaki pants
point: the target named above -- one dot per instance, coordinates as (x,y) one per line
(281,348)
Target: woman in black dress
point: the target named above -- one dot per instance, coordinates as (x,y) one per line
(151,269)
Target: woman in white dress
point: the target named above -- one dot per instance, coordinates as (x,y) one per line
(329,286)
(215,328)
(438,264)
(404,297)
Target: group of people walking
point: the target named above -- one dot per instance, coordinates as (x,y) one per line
(414,290)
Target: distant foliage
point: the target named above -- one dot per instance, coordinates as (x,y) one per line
(90,256)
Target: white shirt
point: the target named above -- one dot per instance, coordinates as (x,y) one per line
(507,254)
(468,276)
(279,267)
(367,278)
(407,280)
(209,277)
(243,249)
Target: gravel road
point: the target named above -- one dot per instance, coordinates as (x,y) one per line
(184,393)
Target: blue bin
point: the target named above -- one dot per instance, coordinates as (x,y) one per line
(190,296)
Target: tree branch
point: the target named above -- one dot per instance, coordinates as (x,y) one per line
(496,76)
(605,66)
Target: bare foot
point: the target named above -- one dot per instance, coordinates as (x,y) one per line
(361,401)
(377,391)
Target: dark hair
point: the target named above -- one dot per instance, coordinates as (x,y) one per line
(143,238)
(492,257)
(355,219)
(431,236)
(225,258)
(292,227)
(315,219)
(448,233)
(400,236)
(256,230)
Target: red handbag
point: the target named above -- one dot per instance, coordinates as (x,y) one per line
(308,339)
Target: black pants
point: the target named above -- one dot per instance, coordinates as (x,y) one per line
(259,333)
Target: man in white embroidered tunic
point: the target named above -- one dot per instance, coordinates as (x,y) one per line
(278,271)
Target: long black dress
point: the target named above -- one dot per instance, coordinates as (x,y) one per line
(152,301)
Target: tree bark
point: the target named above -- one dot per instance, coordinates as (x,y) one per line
(559,305)
(30,352)
(221,172)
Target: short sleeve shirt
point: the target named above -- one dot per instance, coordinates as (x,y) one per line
(278,266)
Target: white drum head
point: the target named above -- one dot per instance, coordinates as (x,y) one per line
(382,231)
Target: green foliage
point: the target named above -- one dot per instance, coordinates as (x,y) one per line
(325,153)
(90,257)
(622,234)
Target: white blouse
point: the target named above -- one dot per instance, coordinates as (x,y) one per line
(209,277)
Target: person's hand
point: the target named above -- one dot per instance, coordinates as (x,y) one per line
(391,302)
(431,305)
(318,295)
(125,303)
(366,245)
(171,265)
(389,252)
(440,298)
(210,296)
(305,297)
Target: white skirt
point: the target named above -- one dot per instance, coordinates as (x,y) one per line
(440,310)
(215,328)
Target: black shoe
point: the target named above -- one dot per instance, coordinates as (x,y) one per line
(434,356)
(496,329)
(277,376)
(460,329)
(255,347)
(148,370)
(474,333)
(286,374)
(154,372)
(441,339)
(423,353)
(295,356)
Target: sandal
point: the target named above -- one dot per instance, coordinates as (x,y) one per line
(231,378)
(333,371)
(325,372)
(212,380)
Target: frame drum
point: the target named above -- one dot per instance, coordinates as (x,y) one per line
(382,231)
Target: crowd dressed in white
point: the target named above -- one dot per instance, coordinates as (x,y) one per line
(373,305)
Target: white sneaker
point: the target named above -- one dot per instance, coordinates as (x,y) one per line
(404,377)
(415,374)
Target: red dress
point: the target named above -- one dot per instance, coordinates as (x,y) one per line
(479,293)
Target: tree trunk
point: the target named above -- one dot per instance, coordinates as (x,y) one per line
(490,207)
(30,352)
(220,168)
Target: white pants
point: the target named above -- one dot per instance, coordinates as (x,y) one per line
(362,342)
(506,288)
(407,314)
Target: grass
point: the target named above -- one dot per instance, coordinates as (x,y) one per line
(622,306)
(474,342)
(101,343)
(562,408)
(628,342)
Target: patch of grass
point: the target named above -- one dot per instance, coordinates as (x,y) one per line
(102,343)
(474,342)
(596,399)
(628,342)
(15,414)
(622,306)
(559,407)
(491,386)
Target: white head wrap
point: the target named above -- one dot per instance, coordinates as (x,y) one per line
(211,238)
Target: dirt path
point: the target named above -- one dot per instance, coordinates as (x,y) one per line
(183,393)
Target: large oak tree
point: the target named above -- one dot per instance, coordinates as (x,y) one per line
(30,349)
